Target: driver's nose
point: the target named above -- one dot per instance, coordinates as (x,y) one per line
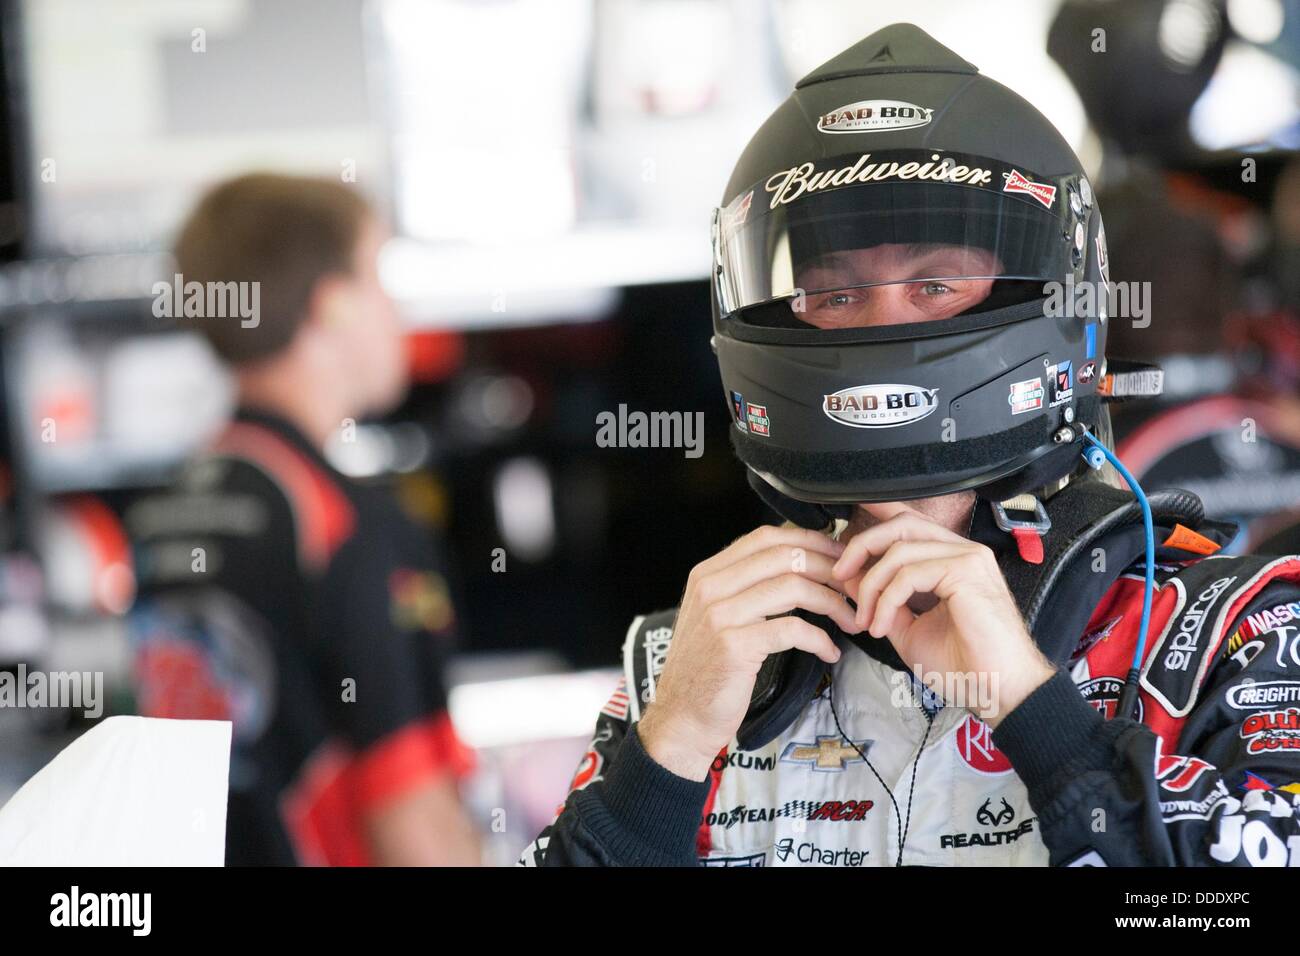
(889,305)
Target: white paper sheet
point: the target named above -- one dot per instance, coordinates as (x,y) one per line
(131,791)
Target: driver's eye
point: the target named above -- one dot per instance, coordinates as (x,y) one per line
(839,298)
(935,288)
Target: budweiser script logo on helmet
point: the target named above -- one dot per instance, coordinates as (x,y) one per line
(788,185)
(879,406)
(868,116)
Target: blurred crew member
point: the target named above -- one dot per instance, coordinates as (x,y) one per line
(1227,424)
(279,594)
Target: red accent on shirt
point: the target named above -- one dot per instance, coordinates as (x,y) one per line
(323,810)
(323,516)
(704,837)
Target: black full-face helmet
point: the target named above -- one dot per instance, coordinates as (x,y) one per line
(883,318)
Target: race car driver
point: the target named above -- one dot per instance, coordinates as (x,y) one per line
(280,595)
(968,645)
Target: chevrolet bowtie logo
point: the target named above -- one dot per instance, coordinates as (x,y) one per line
(828,754)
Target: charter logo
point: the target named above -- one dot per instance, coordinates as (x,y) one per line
(102,909)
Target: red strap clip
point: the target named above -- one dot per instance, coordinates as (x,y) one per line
(1028,534)
(1030,544)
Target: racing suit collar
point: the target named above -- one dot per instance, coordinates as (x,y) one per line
(282,427)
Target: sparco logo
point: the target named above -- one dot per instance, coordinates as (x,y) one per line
(867,116)
(879,406)
(656,654)
(1188,635)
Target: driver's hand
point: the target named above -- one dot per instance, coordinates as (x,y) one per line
(731,618)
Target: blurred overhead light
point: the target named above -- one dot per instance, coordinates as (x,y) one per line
(1187,29)
(1259,21)
(1231,113)
(558,706)
(525,509)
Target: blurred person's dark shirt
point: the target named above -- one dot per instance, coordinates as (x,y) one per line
(304,607)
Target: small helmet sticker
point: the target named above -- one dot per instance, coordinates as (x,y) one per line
(1103,263)
(1026,396)
(872,116)
(879,406)
(1018,182)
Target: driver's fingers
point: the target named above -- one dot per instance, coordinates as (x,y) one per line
(764,565)
(770,536)
(781,595)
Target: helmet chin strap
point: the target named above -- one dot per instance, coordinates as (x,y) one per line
(1015,502)
(1027,528)
(815,517)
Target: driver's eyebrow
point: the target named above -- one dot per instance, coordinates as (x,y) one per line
(920,257)
(920,250)
(928,250)
(827,260)
(909,253)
